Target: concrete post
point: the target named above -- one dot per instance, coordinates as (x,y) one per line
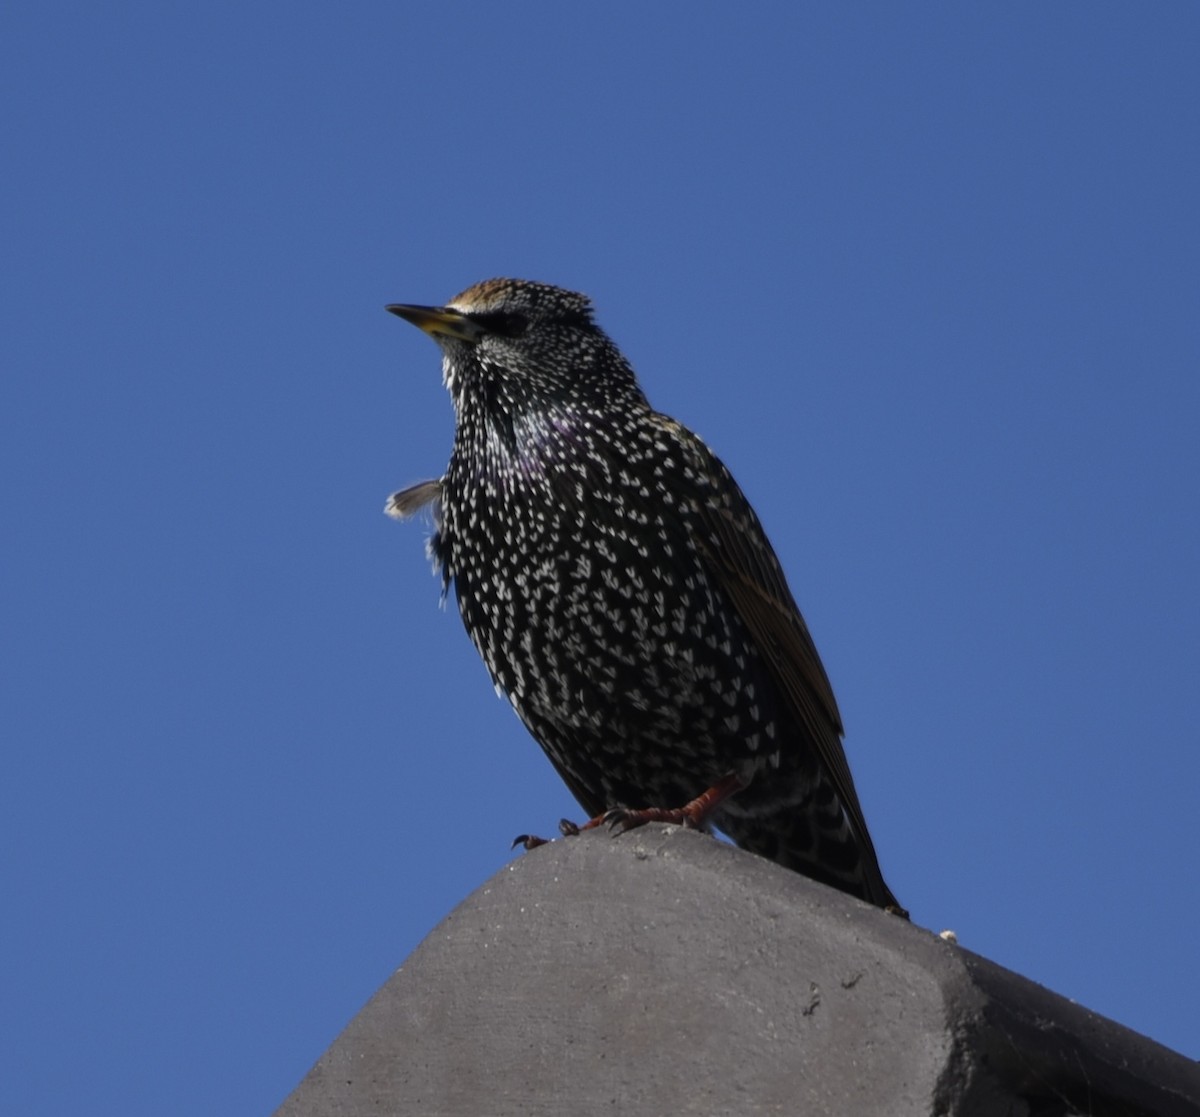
(664,972)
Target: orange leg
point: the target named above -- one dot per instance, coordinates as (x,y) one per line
(694,815)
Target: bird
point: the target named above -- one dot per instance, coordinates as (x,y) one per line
(624,596)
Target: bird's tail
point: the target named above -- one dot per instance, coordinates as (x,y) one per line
(821,845)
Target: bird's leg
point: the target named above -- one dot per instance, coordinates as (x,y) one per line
(694,815)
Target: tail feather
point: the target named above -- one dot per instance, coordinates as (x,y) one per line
(820,845)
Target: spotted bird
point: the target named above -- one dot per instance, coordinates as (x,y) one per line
(623,593)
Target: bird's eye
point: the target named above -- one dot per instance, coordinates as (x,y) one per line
(506,323)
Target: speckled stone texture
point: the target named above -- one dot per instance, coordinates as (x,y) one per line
(664,972)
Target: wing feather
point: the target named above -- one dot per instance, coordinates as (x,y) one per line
(744,565)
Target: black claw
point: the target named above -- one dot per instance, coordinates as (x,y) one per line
(567,828)
(529,841)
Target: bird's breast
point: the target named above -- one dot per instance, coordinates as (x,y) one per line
(595,613)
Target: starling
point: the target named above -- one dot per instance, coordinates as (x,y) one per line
(624,596)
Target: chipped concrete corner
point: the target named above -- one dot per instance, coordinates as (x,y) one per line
(661,971)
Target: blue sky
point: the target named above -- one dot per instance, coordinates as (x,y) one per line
(926,276)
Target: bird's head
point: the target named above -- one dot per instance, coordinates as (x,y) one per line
(514,347)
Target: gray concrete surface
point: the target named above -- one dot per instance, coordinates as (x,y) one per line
(663,972)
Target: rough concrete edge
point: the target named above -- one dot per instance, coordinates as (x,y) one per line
(1051,1051)
(908,943)
(1008,1039)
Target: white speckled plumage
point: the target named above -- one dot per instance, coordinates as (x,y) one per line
(622,592)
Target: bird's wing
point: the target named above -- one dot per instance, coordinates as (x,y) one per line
(744,566)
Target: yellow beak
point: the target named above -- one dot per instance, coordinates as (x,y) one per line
(439,321)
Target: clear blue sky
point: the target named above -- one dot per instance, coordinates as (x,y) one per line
(927,276)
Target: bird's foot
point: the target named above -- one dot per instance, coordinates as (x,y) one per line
(694,815)
(621,819)
(569,829)
(566,828)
